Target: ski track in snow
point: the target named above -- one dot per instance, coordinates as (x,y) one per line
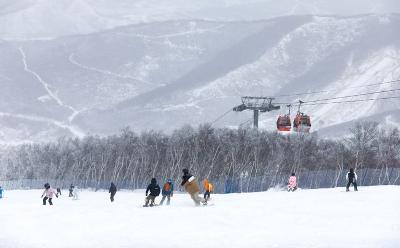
(108,73)
(48,87)
(74,130)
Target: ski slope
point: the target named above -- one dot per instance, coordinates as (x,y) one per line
(306,218)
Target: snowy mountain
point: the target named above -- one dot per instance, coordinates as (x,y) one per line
(77,67)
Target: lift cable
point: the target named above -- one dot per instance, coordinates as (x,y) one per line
(327,91)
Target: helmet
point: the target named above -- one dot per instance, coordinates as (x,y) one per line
(153,181)
(185,171)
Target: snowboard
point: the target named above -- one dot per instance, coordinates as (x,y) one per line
(155,205)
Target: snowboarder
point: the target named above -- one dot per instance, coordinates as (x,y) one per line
(208,187)
(154,189)
(292,186)
(48,193)
(76,194)
(1,192)
(71,190)
(192,187)
(167,192)
(112,191)
(58,191)
(351,178)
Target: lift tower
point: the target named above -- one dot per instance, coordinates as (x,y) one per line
(257,104)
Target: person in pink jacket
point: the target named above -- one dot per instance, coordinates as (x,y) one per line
(48,193)
(292,186)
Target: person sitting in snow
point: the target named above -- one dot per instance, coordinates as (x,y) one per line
(189,182)
(167,192)
(154,189)
(351,178)
(1,192)
(112,191)
(71,190)
(48,193)
(208,187)
(292,186)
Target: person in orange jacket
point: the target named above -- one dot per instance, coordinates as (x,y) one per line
(208,188)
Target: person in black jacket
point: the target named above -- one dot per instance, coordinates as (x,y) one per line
(112,191)
(154,189)
(71,191)
(351,179)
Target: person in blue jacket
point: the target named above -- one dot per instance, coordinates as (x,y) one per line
(1,192)
(167,192)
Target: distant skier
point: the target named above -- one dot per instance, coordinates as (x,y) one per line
(1,192)
(154,189)
(192,187)
(167,192)
(292,186)
(71,190)
(351,178)
(112,191)
(48,194)
(58,191)
(76,193)
(208,187)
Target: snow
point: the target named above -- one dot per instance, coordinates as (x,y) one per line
(306,218)
(47,19)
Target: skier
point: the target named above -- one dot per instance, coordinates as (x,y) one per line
(58,191)
(167,192)
(292,186)
(154,189)
(49,192)
(1,192)
(351,178)
(76,194)
(208,187)
(112,191)
(192,187)
(71,190)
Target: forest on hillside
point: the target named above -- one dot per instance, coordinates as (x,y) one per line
(258,159)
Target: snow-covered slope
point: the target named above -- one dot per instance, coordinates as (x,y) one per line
(44,19)
(306,218)
(168,69)
(294,54)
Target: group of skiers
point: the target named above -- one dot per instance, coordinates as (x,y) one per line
(351,178)
(189,182)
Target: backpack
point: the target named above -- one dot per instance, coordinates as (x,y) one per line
(167,187)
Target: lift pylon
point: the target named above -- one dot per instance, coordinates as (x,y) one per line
(257,104)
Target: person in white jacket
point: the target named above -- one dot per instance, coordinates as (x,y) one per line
(351,178)
(76,193)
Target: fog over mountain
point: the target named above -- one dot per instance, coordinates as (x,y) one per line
(77,67)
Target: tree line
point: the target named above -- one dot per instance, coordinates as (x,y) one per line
(219,154)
